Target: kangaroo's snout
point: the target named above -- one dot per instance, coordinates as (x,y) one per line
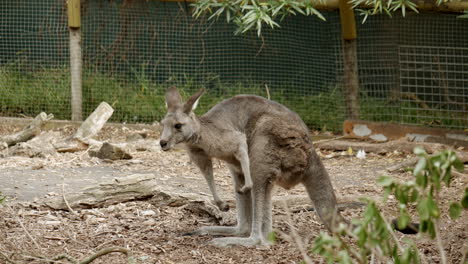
(164,145)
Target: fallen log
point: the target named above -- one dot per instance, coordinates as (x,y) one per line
(400,145)
(403,165)
(95,121)
(30,131)
(134,187)
(379,148)
(82,139)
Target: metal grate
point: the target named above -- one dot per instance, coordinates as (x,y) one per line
(133,50)
(434,85)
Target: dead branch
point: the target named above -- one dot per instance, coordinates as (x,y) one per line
(89,128)
(96,255)
(134,187)
(65,199)
(106,251)
(400,145)
(415,98)
(295,237)
(30,131)
(95,121)
(403,165)
(7,259)
(24,228)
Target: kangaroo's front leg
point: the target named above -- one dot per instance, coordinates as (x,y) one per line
(242,155)
(206,167)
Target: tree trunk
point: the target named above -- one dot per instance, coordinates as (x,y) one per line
(351,79)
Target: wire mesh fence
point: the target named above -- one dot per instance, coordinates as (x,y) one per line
(134,50)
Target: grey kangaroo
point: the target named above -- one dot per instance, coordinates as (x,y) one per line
(264,143)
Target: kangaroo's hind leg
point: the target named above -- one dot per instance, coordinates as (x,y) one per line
(262,175)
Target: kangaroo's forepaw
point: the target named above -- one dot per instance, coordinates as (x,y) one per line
(246,188)
(223,206)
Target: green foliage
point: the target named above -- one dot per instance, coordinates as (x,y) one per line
(250,14)
(465,15)
(2,198)
(374,235)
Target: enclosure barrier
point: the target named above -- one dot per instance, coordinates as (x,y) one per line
(409,70)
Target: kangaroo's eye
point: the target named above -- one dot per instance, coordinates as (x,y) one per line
(178,126)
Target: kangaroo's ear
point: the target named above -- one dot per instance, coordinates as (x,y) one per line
(192,102)
(173,99)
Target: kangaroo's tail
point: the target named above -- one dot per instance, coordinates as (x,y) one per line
(320,190)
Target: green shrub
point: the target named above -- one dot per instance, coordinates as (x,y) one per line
(374,234)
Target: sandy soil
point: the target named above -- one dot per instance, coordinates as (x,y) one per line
(154,234)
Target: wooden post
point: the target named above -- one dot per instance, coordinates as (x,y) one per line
(76,60)
(350,68)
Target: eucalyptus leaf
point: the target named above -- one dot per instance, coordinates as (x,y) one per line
(455,210)
(464,201)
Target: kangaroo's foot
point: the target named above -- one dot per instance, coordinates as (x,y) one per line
(223,206)
(244,189)
(240,241)
(220,231)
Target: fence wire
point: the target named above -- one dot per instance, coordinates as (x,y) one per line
(411,70)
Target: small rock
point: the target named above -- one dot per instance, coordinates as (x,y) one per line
(136,136)
(110,152)
(52,223)
(361,154)
(148,213)
(149,222)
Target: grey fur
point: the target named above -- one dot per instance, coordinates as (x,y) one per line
(264,143)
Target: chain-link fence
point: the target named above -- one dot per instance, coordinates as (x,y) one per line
(411,70)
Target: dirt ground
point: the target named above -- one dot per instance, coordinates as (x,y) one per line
(153,234)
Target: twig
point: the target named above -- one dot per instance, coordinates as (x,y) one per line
(295,237)
(7,259)
(261,47)
(443,259)
(25,230)
(346,246)
(267,91)
(328,139)
(392,233)
(415,98)
(106,251)
(64,256)
(65,199)
(42,259)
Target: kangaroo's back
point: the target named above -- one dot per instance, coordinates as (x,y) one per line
(245,112)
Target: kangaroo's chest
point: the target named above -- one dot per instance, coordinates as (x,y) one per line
(225,153)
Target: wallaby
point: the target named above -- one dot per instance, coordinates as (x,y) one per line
(264,143)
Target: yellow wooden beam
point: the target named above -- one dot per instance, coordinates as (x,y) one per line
(74,16)
(348,22)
